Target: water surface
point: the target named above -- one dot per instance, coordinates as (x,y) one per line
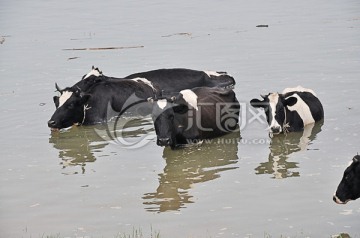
(82,183)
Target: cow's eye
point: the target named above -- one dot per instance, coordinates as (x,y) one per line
(171,117)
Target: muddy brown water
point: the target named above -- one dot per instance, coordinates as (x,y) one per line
(85,182)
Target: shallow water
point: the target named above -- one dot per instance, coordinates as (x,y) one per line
(85,183)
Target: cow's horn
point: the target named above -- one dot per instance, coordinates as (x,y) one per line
(263,96)
(58,88)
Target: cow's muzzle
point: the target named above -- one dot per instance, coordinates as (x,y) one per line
(338,201)
(52,125)
(275,129)
(163,141)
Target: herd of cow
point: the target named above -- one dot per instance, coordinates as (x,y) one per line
(188,106)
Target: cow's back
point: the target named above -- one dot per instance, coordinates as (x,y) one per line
(311,101)
(172,80)
(219,110)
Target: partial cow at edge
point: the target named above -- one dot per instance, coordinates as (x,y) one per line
(349,187)
(192,115)
(291,110)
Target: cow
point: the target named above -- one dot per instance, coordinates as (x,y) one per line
(291,110)
(175,80)
(166,80)
(193,115)
(349,187)
(158,81)
(76,107)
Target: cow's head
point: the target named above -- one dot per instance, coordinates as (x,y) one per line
(170,119)
(274,105)
(349,187)
(70,108)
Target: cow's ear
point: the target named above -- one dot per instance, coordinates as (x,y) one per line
(290,101)
(85,98)
(181,109)
(257,103)
(56,101)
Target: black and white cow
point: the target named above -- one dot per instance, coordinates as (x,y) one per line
(175,80)
(193,115)
(74,106)
(168,80)
(349,187)
(291,110)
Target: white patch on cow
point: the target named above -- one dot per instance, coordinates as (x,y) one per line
(298,89)
(190,97)
(64,97)
(302,109)
(145,81)
(96,72)
(273,101)
(162,103)
(214,73)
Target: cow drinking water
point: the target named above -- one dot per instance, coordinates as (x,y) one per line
(349,187)
(291,110)
(193,115)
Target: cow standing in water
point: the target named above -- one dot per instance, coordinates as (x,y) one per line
(193,115)
(349,187)
(291,110)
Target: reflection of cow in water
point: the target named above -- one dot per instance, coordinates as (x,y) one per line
(76,147)
(190,166)
(282,146)
(82,145)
